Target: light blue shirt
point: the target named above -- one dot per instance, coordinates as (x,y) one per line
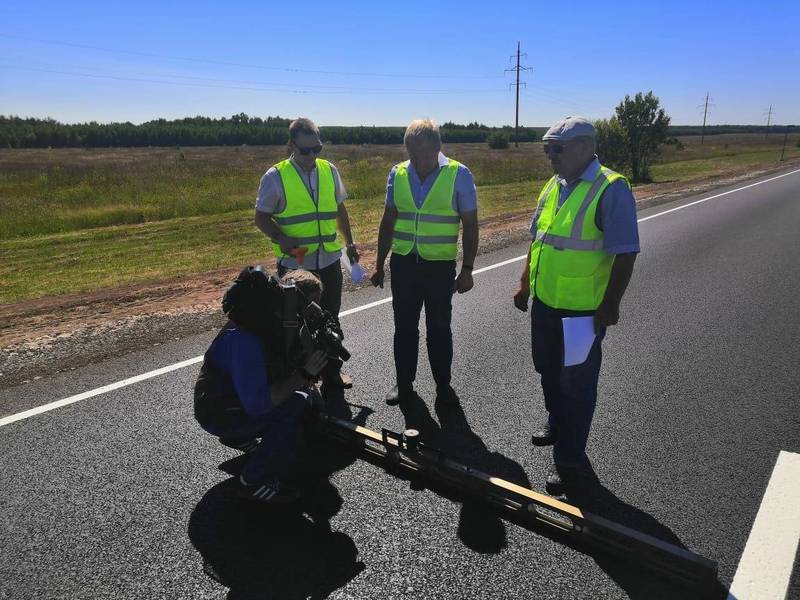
(465,196)
(615,216)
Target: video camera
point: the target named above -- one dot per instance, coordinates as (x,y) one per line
(321,327)
(278,308)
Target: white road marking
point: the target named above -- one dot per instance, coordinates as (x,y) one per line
(97,391)
(765,568)
(150,374)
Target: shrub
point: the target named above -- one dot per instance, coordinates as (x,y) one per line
(497,141)
(612,145)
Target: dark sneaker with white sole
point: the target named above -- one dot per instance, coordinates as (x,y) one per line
(270,492)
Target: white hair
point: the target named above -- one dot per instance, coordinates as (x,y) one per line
(422,131)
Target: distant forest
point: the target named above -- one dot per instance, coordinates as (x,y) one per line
(16,132)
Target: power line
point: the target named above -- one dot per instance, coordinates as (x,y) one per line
(247,66)
(517,69)
(295,90)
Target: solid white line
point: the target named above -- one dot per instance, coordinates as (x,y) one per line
(765,568)
(719,195)
(96,392)
(350,311)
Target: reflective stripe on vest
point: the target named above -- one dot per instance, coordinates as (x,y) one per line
(569,269)
(434,226)
(309,224)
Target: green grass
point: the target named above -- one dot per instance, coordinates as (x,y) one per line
(104,218)
(91,259)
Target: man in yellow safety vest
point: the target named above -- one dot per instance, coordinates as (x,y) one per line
(428,199)
(300,205)
(585,241)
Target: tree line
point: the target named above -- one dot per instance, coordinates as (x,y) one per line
(17,132)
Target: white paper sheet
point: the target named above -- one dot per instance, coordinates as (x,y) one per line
(578,339)
(353,269)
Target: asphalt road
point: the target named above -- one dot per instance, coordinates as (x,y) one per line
(120,495)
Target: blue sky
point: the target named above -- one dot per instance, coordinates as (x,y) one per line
(382,63)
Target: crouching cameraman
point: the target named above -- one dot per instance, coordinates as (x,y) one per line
(251,387)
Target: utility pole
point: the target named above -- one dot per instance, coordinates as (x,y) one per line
(705,114)
(517,69)
(785,137)
(769,116)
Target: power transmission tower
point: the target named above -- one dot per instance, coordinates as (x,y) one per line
(704,106)
(769,116)
(785,137)
(517,69)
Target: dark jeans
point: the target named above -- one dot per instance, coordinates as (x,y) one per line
(331,278)
(570,393)
(417,283)
(279,431)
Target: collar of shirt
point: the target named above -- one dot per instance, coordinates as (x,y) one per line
(589,173)
(300,169)
(443,162)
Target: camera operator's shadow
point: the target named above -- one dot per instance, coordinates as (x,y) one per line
(284,552)
(482,527)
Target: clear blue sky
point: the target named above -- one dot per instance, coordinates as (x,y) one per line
(387,63)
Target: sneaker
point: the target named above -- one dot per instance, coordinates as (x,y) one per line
(269,492)
(242,445)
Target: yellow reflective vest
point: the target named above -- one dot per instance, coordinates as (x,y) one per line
(434,226)
(311,225)
(569,269)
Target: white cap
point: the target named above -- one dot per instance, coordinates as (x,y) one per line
(570,128)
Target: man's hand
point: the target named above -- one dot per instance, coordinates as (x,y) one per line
(352,253)
(287,244)
(315,363)
(463,282)
(377,278)
(521,297)
(606,314)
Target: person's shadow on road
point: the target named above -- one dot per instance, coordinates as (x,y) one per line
(482,528)
(268,552)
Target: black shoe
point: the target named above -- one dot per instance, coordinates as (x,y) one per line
(339,379)
(271,492)
(565,480)
(397,395)
(242,445)
(546,436)
(447,396)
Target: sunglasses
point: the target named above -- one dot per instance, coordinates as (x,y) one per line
(553,148)
(306,151)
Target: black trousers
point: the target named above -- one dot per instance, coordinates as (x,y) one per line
(570,393)
(331,278)
(416,283)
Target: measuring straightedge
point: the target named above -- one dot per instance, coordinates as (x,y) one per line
(406,453)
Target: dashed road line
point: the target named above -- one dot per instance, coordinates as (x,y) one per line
(765,568)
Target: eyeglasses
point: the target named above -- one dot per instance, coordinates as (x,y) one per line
(553,148)
(306,151)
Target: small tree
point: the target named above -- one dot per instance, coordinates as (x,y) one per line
(497,141)
(612,144)
(645,125)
